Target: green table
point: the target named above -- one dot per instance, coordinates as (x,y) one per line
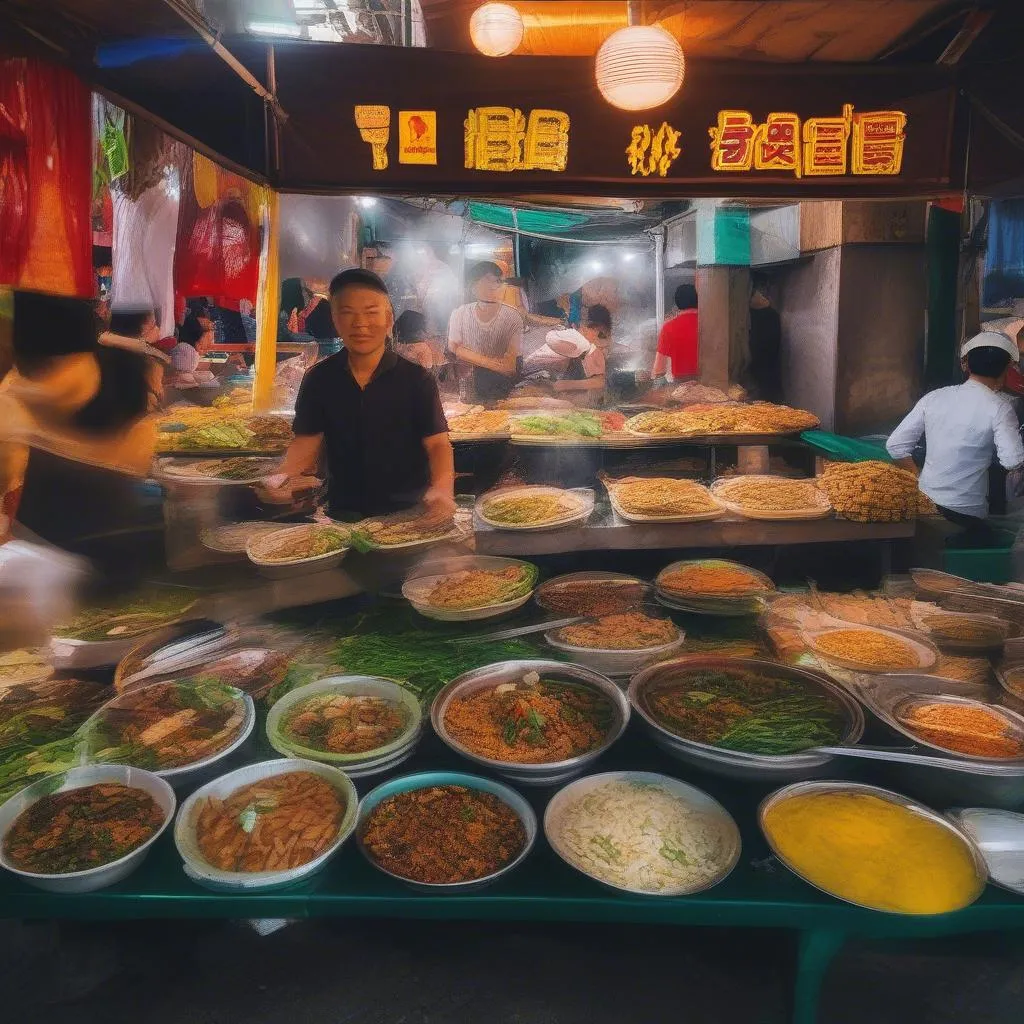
(760,893)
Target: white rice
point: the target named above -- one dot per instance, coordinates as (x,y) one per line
(640,836)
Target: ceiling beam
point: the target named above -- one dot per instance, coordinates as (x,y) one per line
(976,23)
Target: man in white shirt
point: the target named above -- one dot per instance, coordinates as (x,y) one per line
(964,427)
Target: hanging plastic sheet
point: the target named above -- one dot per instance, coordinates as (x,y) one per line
(45,178)
(1004,254)
(217,252)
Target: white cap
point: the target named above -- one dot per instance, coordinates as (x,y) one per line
(991,339)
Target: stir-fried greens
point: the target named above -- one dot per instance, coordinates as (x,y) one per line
(129,616)
(745,710)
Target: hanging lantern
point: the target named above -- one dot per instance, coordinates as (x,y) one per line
(639,67)
(496,29)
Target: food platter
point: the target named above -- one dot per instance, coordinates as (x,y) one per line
(925,651)
(725,492)
(260,551)
(614,661)
(724,422)
(201,472)
(735,603)
(419,586)
(232,538)
(683,517)
(498,425)
(578,502)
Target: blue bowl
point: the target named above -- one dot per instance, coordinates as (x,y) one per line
(423,780)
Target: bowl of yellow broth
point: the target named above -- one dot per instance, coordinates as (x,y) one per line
(872,847)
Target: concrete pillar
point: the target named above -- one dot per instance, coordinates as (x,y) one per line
(723,294)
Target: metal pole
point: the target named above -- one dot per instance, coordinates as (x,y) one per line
(659,276)
(275,128)
(407,22)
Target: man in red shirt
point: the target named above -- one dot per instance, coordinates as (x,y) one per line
(678,346)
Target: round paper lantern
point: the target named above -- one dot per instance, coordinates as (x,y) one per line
(639,67)
(496,29)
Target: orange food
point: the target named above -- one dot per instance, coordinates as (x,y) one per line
(719,580)
(964,729)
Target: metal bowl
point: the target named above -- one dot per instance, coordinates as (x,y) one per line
(76,778)
(424,578)
(1014,724)
(367,762)
(695,798)
(550,773)
(999,835)
(206,875)
(543,594)
(732,763)
(802,788)
(423,780)
(197,771)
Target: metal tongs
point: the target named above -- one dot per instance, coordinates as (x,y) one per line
(511,634)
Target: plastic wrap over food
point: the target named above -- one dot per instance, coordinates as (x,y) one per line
(37,585)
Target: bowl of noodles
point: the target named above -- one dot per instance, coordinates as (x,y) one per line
(465,589)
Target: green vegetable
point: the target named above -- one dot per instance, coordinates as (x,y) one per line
(573,424)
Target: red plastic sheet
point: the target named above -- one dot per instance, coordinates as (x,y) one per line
(45,178)
(218,248)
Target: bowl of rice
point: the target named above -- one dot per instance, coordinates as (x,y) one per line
(643,833)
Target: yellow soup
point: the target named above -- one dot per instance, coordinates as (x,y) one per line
(869,851)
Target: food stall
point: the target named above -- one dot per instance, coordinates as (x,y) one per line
(541,717)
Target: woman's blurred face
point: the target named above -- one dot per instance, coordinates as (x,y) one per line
(488,288)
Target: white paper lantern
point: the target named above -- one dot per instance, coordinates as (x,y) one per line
(496,29)
(639,67)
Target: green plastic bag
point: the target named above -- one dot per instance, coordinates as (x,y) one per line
(846,449)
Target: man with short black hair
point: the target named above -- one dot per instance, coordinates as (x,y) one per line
(678,342)
(376,416)
(964,427)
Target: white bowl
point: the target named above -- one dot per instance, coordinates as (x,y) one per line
(276,570)
(206,875)
(75,778)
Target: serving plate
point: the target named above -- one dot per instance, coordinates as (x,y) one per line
(256,546)
(720,489)
(638,517)
(582,498)
(417,587)
(176,470)
(926,652)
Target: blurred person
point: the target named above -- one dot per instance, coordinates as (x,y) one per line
(576,360)
(374,417)
(413,341)
(964,428)
(679,341)
(763,375)
(485,336)
(74,426)
(305,307)
(189,379)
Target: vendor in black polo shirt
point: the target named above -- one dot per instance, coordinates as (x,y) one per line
(375,415)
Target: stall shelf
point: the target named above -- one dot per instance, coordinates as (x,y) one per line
(605,531)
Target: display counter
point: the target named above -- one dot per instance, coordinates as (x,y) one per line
(759,893)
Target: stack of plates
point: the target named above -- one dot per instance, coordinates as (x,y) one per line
(745,602)
(367,762)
